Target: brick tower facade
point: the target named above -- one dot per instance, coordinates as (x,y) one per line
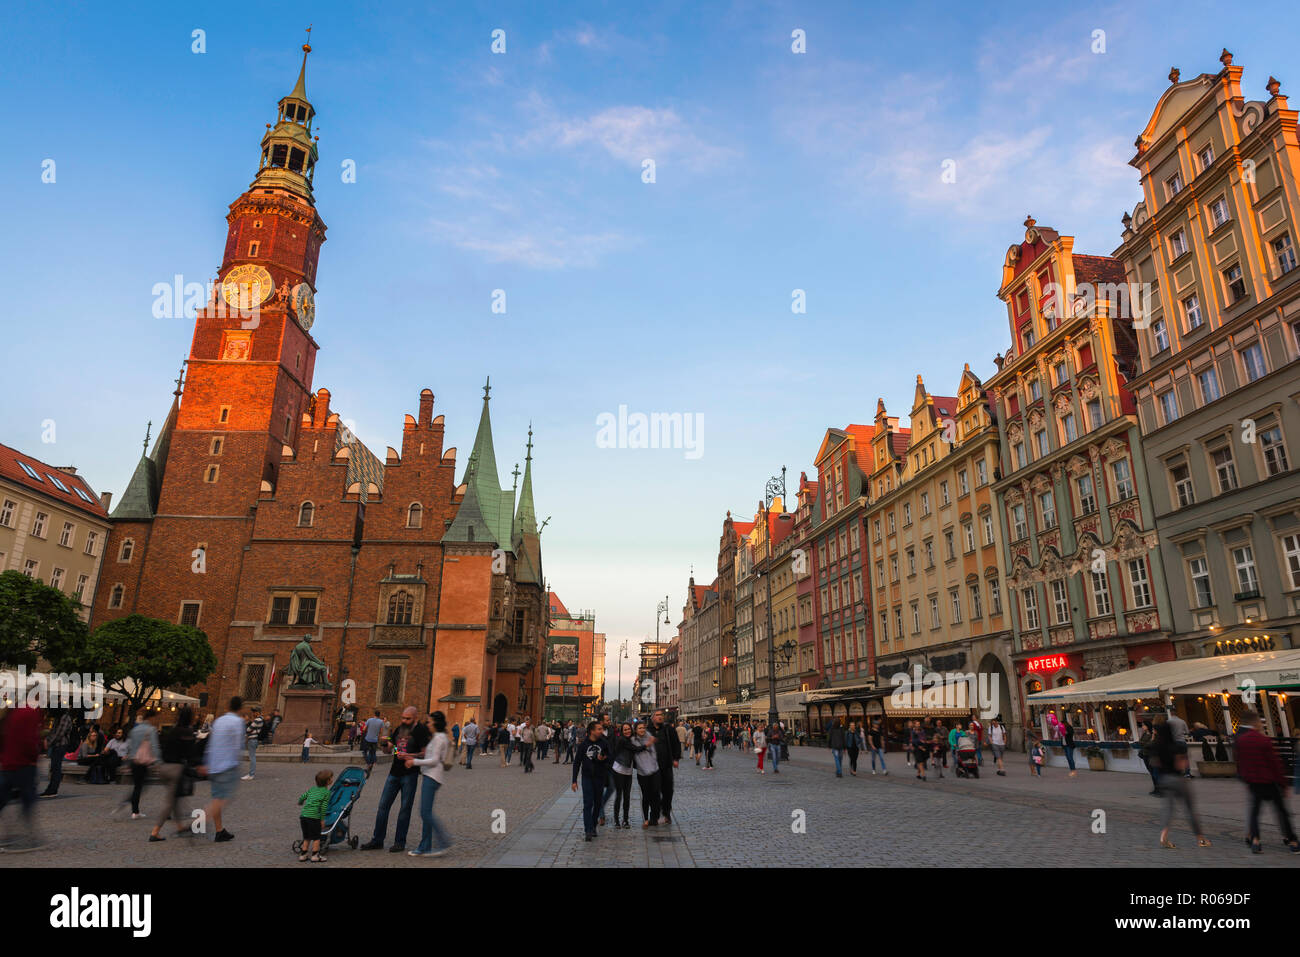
(259,518)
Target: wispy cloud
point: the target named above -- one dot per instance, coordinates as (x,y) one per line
(632,134)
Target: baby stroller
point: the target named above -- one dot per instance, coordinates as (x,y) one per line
(968,765)
(338,814)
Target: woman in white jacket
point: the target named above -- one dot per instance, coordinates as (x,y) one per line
(433,769)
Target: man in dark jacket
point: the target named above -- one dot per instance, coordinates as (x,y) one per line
(1259,766)
(837,740)
(668,749)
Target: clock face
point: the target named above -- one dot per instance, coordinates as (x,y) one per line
(304,305)
(247,286)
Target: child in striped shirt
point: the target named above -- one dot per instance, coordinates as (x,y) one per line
(314,803)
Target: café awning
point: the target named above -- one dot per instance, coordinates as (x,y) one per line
(1215,675)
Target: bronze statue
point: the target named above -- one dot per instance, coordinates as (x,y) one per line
(307,670)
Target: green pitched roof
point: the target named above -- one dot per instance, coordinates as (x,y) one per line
(469,524)
(140,499)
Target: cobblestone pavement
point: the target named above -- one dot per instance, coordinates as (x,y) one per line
(264,819)
(732,816)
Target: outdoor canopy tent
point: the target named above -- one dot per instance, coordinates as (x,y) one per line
(1217,675)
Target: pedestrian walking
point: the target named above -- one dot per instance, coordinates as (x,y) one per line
(469,734)
(527,741)
(315,803)
(998,743)
(683,738)
(221,765)
(180,755)
(710,746)
(433,767)
(408,739)
(591,763)
(253,737)
(307,742)
(1171,757)
(920,748)
(853,744)
(20,745)
(1067,742)
(370,740)
(1178,728)
(505,742)
(668,752)
(697,738)
(876,743)
(647,776)
(775,746)
(760,746)
(61,739)
(143,750)
(1145,745)
(838,737)
(1260,767)
(622,767)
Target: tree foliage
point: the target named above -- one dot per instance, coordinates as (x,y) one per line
(139,656)
(38,621)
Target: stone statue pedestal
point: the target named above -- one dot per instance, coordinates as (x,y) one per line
(306,709)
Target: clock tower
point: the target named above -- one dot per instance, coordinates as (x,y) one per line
(249,373)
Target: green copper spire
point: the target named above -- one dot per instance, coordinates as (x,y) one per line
(494,504)
(527,545)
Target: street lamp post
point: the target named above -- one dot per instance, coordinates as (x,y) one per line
(775,487)
(662,607)
(622,653)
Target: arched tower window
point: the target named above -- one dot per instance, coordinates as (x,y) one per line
(414,516)
(400,607)
(306,514)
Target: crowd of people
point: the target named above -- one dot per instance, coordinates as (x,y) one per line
(605,757)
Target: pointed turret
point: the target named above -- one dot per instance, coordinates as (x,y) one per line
(526,542)
(469,524)
(495,506)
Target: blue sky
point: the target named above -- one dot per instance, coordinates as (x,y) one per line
(522,171)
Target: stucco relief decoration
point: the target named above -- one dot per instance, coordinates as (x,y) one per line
(1062,403)
(1062,636)
(1014,432)
(1052,566)
(1101,663)
(1040,483)
(1088,388)
(1140,215)
(1031,641)
(1099,630)
(1051,539)
(1143,621)
(1036,418)
(1078,466)
(1114,449)
(1014,496)
(1127,510)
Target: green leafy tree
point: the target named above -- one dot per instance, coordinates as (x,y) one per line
(139,656)
(38,622)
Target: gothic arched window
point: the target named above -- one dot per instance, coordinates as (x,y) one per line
(306,514)
(414,515)
(400,607)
